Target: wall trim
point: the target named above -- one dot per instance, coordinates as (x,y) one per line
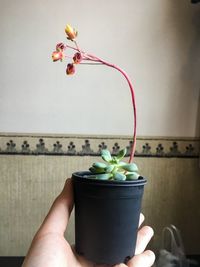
(91,145)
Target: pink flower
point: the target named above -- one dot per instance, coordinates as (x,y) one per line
(71,33)
(57,55)
(60,47)
(70,69)
(77,58)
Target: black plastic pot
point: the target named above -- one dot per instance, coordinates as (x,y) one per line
(106,217)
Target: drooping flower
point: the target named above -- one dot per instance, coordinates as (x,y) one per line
(58,55)
(70,69)
(60,47)
(77,58)
(71,33)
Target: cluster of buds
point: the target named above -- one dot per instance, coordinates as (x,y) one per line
(79,56)
(59,54)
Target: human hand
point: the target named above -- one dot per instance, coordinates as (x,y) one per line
(49,248)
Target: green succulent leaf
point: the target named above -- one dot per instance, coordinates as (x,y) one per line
(131,167)
(132,176)
(109,168)
(105,154)
(122,163)
(104,176)
(121,154)
(99,165)
(96,170)
(119,176)
(114,160)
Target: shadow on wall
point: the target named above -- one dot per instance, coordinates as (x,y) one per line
(198,120)
(191,70)
(183,21)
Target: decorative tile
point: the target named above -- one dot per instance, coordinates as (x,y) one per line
(146,149)
(40,147)
(11,147)
(115,148)
(57,147)
(174,149)
(128,147)
(86,150)
(190,150)
(160,150)
(92,145)
(102,146)
(25,148)
(71,149)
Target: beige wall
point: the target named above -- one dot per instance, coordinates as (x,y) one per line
(156,42)
(29,184)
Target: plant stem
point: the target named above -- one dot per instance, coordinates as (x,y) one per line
(132,98)
(91,63)
(97,60)
(134,107)
(77,46)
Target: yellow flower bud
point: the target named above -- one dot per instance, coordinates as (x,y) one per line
(71,33)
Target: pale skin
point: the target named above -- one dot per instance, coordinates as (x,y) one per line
(49,248)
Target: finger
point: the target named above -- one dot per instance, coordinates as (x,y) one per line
(141,220)
(58,216)
(144,236)
(145,259)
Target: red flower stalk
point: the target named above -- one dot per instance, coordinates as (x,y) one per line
(80,56)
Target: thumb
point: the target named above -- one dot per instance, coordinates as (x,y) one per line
(145,259)
(57,219)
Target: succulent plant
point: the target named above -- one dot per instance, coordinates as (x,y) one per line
(114,168)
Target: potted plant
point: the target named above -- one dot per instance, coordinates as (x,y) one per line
(108,196)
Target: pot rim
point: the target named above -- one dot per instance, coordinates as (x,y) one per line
(80,176)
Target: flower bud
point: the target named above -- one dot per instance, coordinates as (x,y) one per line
(70,69)
(60,47)
(77,58)
(71,33)
(57,55)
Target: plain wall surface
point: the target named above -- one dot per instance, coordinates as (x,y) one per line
(156,42)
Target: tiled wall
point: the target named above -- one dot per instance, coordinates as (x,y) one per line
(34,168)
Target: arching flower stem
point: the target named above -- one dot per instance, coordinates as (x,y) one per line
(96,61)
(133,103)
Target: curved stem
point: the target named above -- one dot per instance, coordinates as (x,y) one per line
(90,63)
(71,47)
(96,59)
(77,46)
(132,98)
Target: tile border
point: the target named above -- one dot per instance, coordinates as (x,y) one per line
(82,145)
